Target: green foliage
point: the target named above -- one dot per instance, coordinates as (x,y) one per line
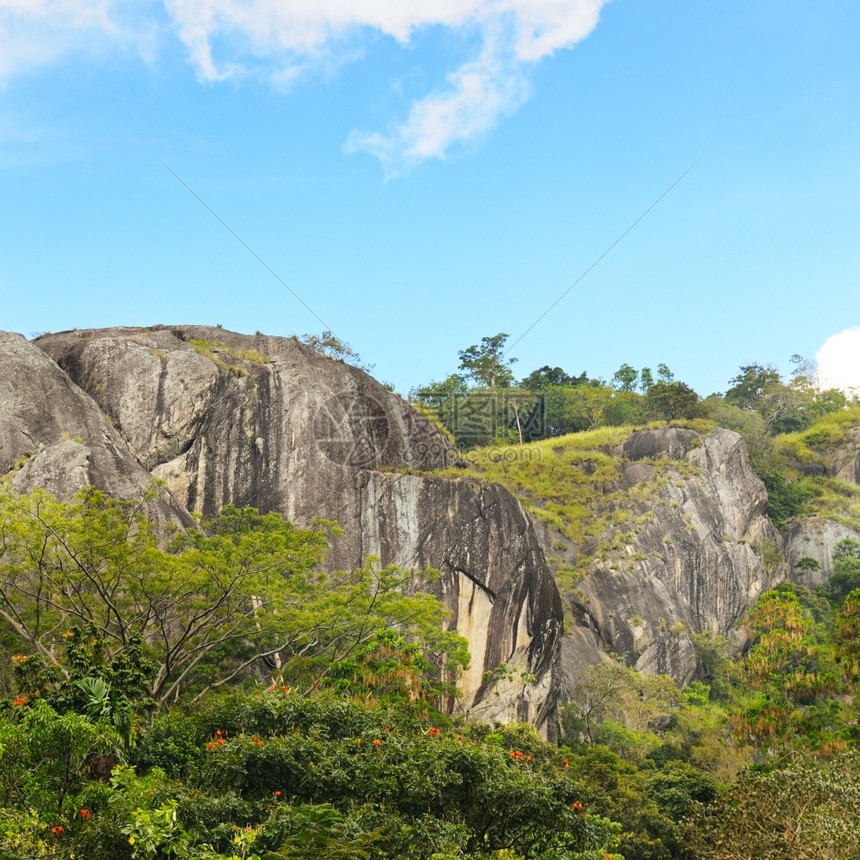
(203,612)
(846,568)
(806,811)
(625,377)
(668,400)
(546,377)
(784,500)
(277,775)
(486,364)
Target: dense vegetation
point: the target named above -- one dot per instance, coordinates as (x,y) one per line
(220,693)
(792,427)
(318,734)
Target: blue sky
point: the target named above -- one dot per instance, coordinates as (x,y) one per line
(425,174)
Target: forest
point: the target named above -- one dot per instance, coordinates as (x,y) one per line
(221,693)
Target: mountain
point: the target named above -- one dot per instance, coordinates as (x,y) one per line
(267,422)
(553,555)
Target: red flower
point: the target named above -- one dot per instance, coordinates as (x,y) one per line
(56,830)
(85,813)
(20,701)
(219,741)
(283,689)
(277,794)
(566,764)
(217,731)
(528,758)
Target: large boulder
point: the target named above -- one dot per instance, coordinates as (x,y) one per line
(682,545)
(225,418)
(54,436)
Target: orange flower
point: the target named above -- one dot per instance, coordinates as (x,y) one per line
(566,764)
(377,742)
(277,794)
(358,740)
(56,830)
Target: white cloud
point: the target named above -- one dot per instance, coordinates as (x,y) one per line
(281,39)
(839,361)
(481,92)
(228,38)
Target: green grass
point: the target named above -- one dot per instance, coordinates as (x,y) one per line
(819,444)
(573,484)
(214,351)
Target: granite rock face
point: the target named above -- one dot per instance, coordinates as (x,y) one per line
(684,547)
(816,538)
(54,436)
(689,556)
(226,419)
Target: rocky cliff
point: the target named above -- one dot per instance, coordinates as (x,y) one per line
(52,435)
(654,536)
(224,418)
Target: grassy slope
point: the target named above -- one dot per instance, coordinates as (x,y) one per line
(573,484)
(819,445)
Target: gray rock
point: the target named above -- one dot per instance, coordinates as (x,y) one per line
(846,460)
(264,421)
(816,538)
(702,552)
(54,436)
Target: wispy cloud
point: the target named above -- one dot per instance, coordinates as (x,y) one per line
(282,39)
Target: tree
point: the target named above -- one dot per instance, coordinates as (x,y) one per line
(546,376)
(210,607)
(646,378)
(847,637)
(846,568)
(485,363)
(666,400)
(790,669)
(664,373)
(751,383)
(625,378)
(806,811)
